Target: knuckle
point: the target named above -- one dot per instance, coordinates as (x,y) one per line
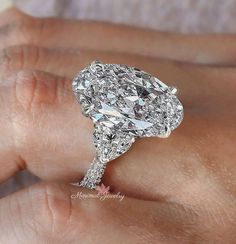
(14,14)
(7,56)
(34,89)
(33,95)
(18,57)
(12,58)
(52,209)
(24,30)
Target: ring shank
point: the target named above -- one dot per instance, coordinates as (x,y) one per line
(94,174)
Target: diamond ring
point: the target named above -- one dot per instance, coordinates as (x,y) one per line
(124,103)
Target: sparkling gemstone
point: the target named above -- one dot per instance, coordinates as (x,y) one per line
(127,100)
(110,144)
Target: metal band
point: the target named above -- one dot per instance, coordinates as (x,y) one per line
(94,174)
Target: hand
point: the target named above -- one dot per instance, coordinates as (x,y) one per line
(177,190)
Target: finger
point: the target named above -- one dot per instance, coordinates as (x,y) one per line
(46,213)
(195,82)
(172,167)
(207,49)
(42,129)
(41,124)
(10,15)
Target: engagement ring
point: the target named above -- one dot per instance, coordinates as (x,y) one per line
(124,103)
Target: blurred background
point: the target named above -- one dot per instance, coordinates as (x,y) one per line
(185,16)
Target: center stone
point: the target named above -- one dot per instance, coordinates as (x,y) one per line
(127,99)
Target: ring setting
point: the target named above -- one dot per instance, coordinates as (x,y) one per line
(124,103)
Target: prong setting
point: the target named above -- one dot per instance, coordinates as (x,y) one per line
(173,90)
(166,134)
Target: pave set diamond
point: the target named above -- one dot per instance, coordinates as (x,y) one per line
(124,103)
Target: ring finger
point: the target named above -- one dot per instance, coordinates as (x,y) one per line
(44,123)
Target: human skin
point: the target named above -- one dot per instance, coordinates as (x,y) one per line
(177,190)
